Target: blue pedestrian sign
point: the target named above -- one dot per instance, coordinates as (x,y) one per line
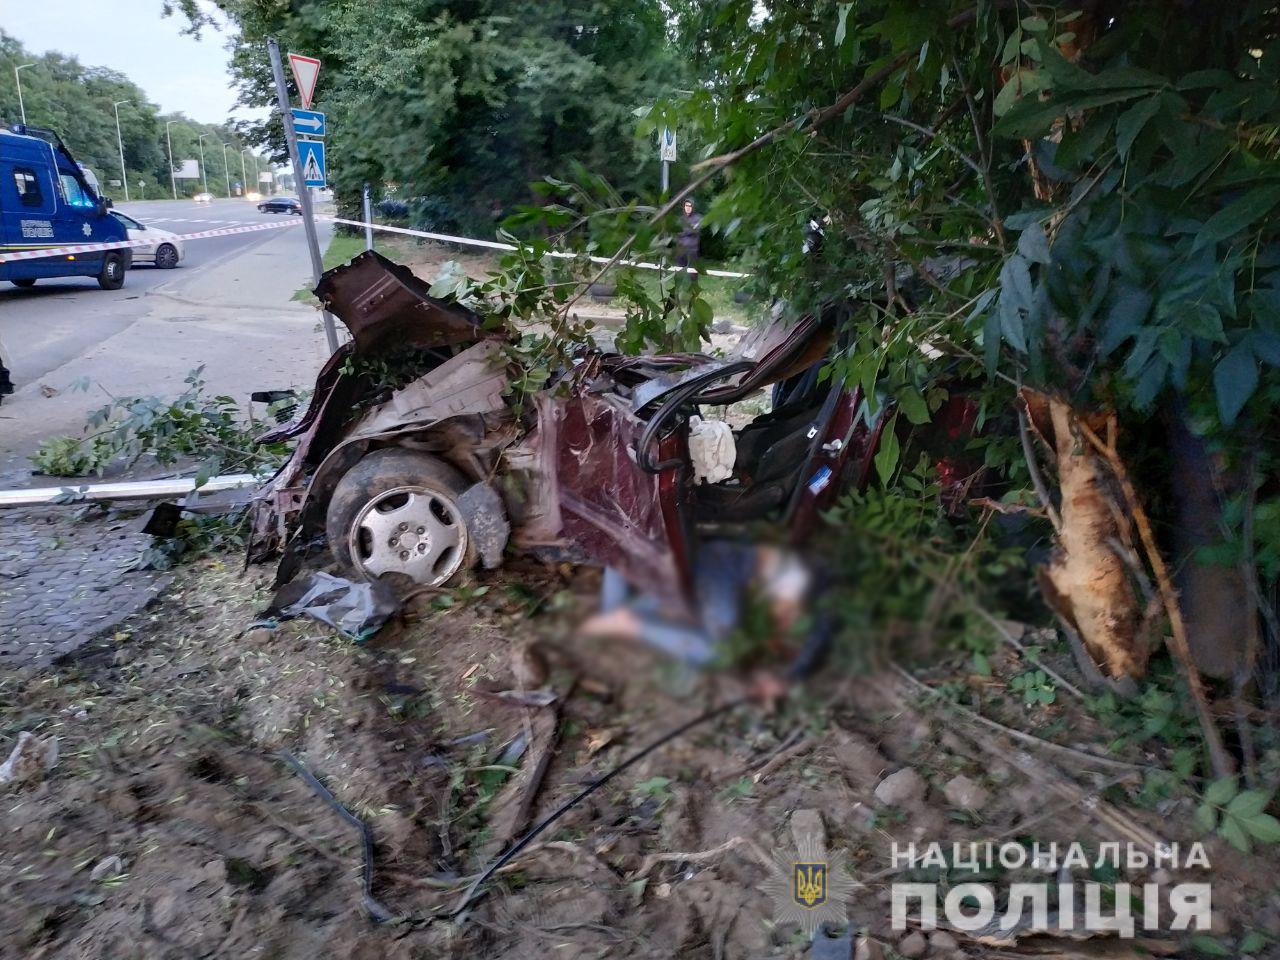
(308,123)
(311,156)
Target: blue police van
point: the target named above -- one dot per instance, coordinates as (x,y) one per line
(47,201)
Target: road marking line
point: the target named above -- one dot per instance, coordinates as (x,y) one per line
(71,250)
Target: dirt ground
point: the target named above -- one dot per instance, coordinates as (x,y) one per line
(169,733)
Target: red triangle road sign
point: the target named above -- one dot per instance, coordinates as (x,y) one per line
(305,70)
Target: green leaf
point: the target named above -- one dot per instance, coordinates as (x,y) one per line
(1234,380)
(1206,817)
(1127,314)
(887,457)
(1033,244)
(1252,942)
(1131,123)
(1248,803)
(912,404)
(1221,791)
(1264,827)
(1238,214)
(1202,943)
(1232,832)
(981,664)
(1030,117)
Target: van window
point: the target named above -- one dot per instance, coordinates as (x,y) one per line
(28,187)
(74,193)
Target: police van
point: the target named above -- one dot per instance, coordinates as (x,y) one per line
(47,201)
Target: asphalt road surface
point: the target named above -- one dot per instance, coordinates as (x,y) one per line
(227,306)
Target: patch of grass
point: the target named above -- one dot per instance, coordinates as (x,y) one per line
(342,247)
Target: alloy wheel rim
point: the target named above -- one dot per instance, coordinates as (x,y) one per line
(411,530)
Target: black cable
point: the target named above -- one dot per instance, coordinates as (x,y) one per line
(586,791)
(376,910)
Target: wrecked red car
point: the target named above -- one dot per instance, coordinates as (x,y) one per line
(612,463)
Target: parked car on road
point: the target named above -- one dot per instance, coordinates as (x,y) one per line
(280,205)
(47,201)
(203,198)
(164,249)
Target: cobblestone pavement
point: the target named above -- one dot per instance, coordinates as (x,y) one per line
(63,581)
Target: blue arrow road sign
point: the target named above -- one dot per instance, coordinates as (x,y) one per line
(311,156)
(309,123)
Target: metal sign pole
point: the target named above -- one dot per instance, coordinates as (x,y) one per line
(368,218)
(304,194)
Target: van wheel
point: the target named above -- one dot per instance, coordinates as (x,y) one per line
(396,511)
(166,256)
(25,282)
(111,277)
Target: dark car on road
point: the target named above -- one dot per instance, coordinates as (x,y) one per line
(280,205)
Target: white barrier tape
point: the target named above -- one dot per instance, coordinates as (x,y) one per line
(494,245)
(40,253)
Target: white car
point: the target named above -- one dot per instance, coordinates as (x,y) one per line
(165,249)
(203,198)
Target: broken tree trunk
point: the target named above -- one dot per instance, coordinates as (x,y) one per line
(1086,582)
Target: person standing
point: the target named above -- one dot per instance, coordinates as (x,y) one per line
(690,236)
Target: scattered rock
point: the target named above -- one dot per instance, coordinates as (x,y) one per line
(807,828)
(965,794)
(868,949)
(913,945)
(942,944)
(31,759)
(903,787)
(111,866)
(216,871)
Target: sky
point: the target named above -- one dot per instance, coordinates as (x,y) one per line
(177,72)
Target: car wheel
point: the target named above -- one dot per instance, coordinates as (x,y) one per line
(111,276)
(396,511)
(25,282)
(166,256)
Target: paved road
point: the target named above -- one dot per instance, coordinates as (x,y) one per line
(227,306)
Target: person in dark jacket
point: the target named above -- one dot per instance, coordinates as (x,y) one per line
(690,238)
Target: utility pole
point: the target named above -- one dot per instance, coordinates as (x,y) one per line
(124,176)
(226,169)
(304,195)
(173,180)
(18,78)
(204,177)
(244,177)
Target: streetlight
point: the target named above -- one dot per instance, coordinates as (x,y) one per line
(257,177)
(226,169)
(124,175)
(18,78)
(173,181)
(204,177)
(244,177)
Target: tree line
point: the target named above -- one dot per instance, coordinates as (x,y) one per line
(75,101)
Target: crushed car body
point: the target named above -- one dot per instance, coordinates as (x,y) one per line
(428,478)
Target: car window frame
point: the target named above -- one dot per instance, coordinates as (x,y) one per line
(128,221)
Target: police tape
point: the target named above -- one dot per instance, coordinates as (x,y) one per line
(72,250)
(560,254)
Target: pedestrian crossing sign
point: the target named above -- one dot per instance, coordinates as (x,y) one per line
(311,157)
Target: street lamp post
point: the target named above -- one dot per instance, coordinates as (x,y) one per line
(18,78)
(257,177)
(124,174)
(173,180)
(244,177)
(226,169)
(204,177)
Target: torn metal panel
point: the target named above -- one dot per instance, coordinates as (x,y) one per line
(384,304)
(474,381)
